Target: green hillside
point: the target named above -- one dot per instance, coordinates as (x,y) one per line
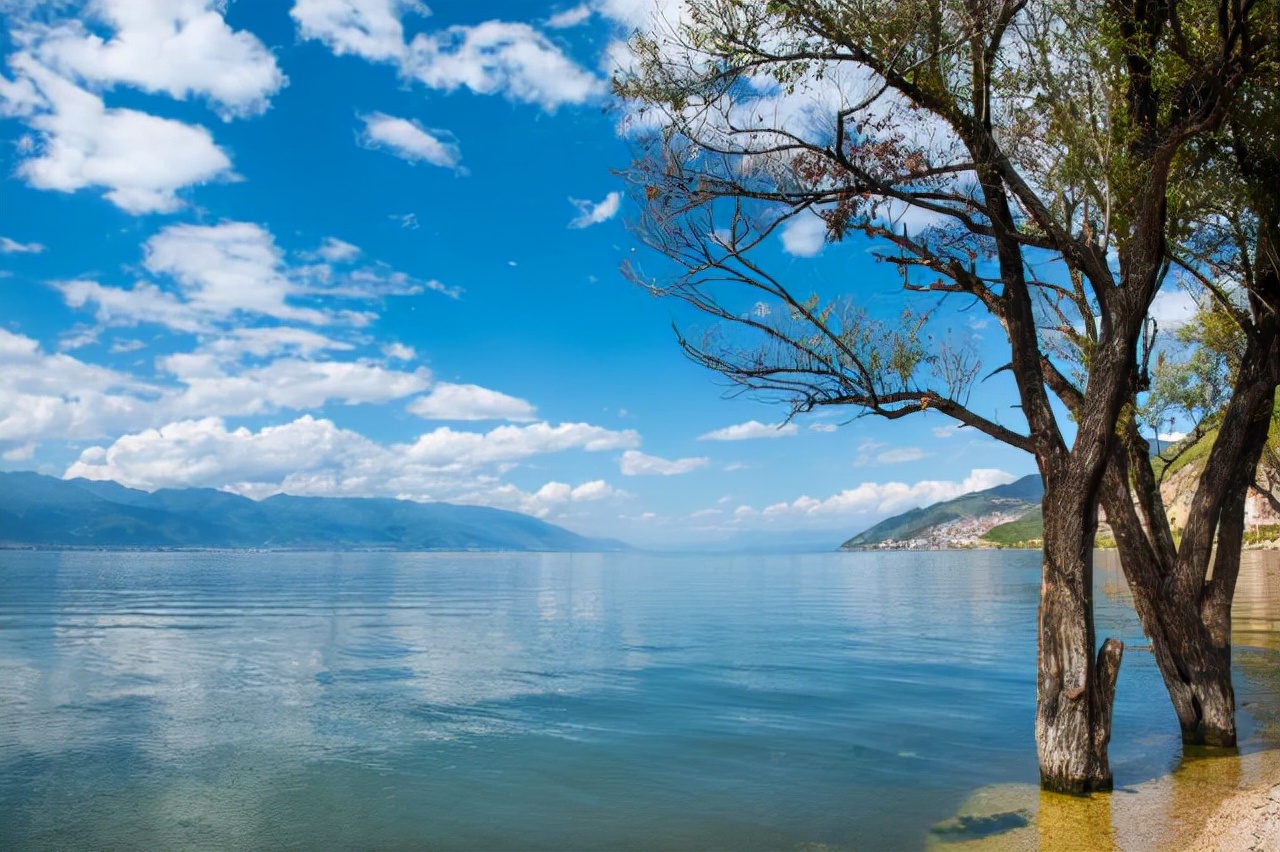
(1026,530)
(1016,497)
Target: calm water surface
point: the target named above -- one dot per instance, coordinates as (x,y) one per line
(166,700)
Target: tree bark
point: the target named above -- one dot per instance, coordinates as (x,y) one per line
(1075,689)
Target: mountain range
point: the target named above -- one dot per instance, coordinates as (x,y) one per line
(43,511)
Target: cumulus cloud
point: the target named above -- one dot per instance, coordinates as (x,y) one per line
(183,48)
(804,235)
(470,402)
(1173,308)
(128,306)
(636,463)
(141,161)
(370,29)
(498,57)
(881,498)
(57,396)
(234,270)
(286,383)
(550,497)
(8,246)
(749,430)
(314,456)
(225,268)
(399,352)
(448,449)
(408,141)
(593,213)
(495,57)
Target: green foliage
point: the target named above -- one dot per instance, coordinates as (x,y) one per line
(1027,531)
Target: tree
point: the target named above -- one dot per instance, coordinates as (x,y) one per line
(1026,135)
(1183,588)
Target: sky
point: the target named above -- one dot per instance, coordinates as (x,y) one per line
(372,248)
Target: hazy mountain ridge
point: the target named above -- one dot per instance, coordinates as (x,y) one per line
(959,522)
(42,511)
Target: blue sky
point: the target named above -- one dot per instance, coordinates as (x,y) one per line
(364,247)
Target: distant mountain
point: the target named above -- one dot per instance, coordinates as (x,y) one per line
(953,523)
(43,511)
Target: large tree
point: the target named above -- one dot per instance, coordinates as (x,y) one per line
(1183,586)
(1033,144)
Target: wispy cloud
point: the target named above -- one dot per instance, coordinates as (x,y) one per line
(470,402)
(636,463)
(409,141)
(569,17)
(594,212)
(8,246)
(750,430)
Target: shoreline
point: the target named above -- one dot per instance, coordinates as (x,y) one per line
(1249,820)
(1226,803)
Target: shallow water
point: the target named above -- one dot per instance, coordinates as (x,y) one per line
(489,701)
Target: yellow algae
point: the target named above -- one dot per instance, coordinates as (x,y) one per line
(1209,798)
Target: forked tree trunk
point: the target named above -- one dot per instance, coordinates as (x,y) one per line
(1076,689)
(1185,613)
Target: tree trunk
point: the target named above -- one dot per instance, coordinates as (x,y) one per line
(1075,689)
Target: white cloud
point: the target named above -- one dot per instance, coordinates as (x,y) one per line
(399,352)
(636,463)
(1171,437)
(8,246)
(183,48)
(1172,308)
(226,268)
(22,452)
(335,250)
(286,383)
(270,342)
(494,57)
(370,29)
(804,235)
(822,427)
(470,402)
(900,455)
(569,17)
(750,429)
(445,448)
(59,397)
(497,57)
(593,213)
(408,141)
(140,160)
(881,498)
(313,456)
(944,432)
(550,497)
(233,270)
(142,303)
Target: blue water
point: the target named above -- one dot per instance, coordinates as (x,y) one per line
(546,701)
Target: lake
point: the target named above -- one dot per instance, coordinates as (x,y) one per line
(552,701)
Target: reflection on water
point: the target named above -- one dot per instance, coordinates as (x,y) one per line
(504,701)
(1166,812)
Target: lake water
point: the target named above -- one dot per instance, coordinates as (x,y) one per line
(546,701)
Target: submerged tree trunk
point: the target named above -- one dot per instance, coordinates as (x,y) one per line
(1183,594)
(1076,689)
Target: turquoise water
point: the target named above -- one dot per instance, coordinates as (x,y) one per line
(546,701)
